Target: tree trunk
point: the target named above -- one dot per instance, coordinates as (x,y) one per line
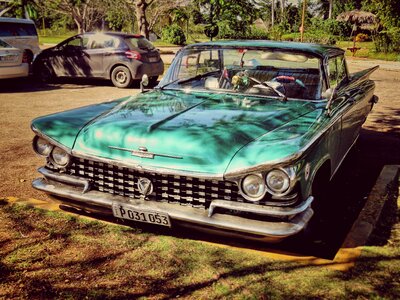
(272,13)
(282,10)
(143,25)
(330,9)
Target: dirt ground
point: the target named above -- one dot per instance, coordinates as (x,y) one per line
(23,100)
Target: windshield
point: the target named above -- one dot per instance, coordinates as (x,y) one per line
(263,72)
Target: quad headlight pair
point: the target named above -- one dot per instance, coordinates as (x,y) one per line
(254,186)
(57,156)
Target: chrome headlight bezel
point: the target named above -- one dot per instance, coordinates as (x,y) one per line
(57,161)
(35,145)
(245,194)
(287,181)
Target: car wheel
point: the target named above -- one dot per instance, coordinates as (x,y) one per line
(153,80)
(121,77)
(321,191)
(43,73)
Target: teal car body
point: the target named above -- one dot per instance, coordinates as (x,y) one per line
(239,136)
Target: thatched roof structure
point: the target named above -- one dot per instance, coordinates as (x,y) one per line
(358,17)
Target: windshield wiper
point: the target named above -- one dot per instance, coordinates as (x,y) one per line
(279,93)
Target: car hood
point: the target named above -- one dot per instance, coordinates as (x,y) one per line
(194,132)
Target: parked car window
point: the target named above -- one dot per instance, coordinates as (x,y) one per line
(103,41)
(141,43)
(78,42)
(17,29)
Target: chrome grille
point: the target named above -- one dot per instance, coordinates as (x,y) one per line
(197,192)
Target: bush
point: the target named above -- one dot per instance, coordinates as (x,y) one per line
(173,34)
(318,37)
(388,40)
(251,33)
(330,27)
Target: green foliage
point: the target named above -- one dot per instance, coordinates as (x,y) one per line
(330,27)
(387,40)
(322,7)
(318,37)
(173,34)
(388,11)
(237,15)
(254,33)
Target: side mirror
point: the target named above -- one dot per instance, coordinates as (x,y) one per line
(144,82)
(327,94)
(330,94)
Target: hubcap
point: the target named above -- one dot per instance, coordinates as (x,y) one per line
(121,77)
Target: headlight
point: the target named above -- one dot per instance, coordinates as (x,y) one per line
(41,146)
(60,157)
(253,187)
(277,181)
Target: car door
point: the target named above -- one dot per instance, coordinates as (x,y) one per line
(100,48)
(349,102)
(71,59)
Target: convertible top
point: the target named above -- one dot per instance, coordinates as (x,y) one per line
(323,51)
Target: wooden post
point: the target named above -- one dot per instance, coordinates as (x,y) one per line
(302,21)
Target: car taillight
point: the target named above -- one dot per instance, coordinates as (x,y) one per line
(133,54)
(25,57)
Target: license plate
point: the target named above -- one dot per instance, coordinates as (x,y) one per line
(8,58)
(153,59)
(126,211)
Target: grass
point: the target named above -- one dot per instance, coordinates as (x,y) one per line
(50,255)
(54,39)
(367,51)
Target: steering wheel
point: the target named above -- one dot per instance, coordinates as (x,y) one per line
(289,79)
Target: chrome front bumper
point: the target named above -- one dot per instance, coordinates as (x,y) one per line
(289,220)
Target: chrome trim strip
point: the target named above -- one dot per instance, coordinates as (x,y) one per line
(344,156)
(67,179)
(276,230)
(261,209)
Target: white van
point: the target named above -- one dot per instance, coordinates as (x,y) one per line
(22,34)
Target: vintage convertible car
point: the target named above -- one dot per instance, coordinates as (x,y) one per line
(239,136)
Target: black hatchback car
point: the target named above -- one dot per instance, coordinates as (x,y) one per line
(119,57)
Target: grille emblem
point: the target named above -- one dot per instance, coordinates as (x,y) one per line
(145,186)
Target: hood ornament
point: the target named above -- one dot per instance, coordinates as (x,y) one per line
(144,153)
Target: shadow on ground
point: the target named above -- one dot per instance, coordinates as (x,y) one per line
(349,191)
